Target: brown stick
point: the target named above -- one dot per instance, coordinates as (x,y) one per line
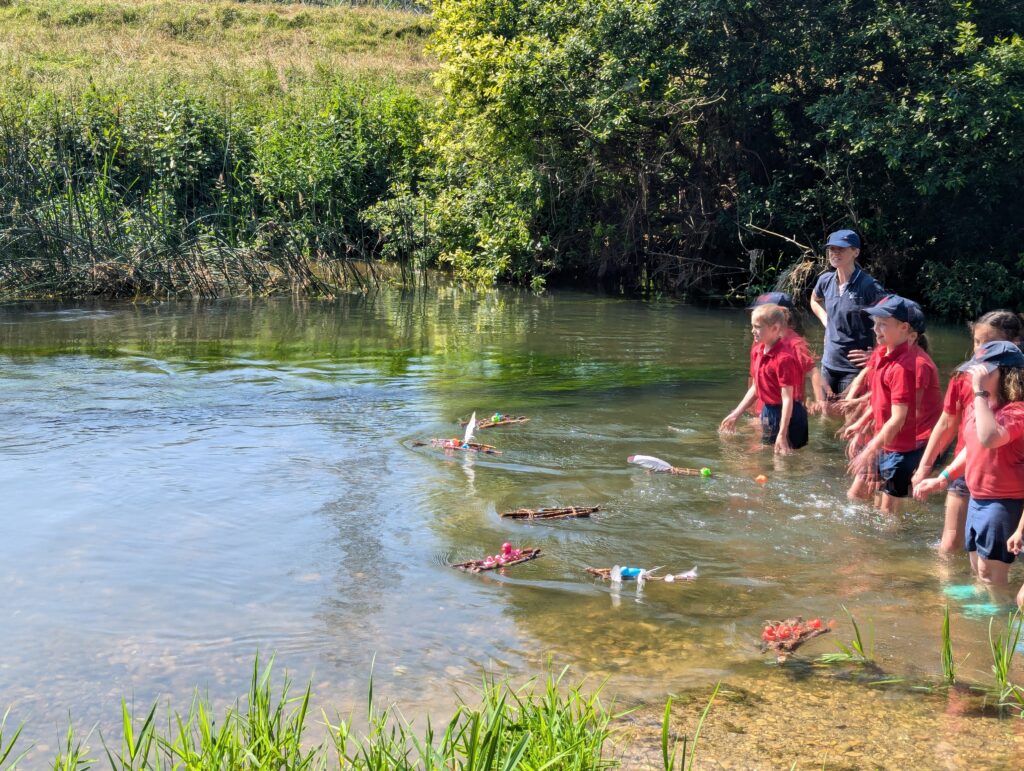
(562,513)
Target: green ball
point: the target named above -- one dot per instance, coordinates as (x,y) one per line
(705,472)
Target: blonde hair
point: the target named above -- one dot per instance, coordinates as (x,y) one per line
(1011,384)
(769,313)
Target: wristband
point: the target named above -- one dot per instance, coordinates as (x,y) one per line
(944,474)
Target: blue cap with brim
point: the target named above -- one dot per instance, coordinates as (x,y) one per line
(915,317)
(890,306)
(998,353)
(844,238)
(773,298)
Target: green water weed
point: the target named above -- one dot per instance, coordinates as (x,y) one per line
(670,754)
(1003,647)
(860,650)
(948,664)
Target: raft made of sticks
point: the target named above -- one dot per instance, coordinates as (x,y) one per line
(567,512)
(784,637)
(476,566)
(506,420)
(458,444)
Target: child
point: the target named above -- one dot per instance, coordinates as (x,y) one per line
(777,376)
(801,350)
(892,452)
(994,325)
(926,383)
(992,460)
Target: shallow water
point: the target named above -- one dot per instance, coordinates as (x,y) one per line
(187,484)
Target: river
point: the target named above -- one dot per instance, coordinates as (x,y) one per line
(186,484)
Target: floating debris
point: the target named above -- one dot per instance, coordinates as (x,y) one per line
(566,512)
(784,637)
(466,443)
(506,559)
(497,420)
(651,463)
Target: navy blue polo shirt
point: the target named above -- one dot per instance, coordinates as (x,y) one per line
(848,328)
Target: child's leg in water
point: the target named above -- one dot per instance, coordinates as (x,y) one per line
(953,529)
(993,573)
(889,504)
(862,489)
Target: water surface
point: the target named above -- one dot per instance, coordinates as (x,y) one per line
(186,484)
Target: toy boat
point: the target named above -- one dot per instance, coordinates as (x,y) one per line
(786,636)
(497,420)
(567,512)
(504,560)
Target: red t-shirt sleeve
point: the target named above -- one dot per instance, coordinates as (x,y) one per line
(901,385)
(953,403)
(790,372)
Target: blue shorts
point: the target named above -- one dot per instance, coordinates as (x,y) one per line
(771,416)
(958,487)
(895,470)
(837,380)
(990,523)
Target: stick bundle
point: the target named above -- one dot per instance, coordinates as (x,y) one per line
(786,636)
(476,566)
(566,512)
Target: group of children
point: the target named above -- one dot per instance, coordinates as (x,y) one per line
(899,428)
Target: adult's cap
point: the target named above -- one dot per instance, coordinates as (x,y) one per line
(775,298)
(890,306)
(844,238)
(998,353)
(916,317)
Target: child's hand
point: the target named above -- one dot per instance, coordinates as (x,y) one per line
(977,373)
(728,426)
(858,357)
(1015,543)
(919,476)
(782,446)
(863,463)
(928,486)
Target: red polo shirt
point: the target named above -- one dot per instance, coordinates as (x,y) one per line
(959,396)
(893,382)
(997,473)
(777,367)
(801,350)
(929,394)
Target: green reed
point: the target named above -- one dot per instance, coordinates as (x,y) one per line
(669,753)
(534,726)
(948,664)
(860,650)
(1003,647)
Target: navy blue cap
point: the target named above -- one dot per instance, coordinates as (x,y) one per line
(844,238)
(998,353)
(915,316)
(774,298)
(892,306)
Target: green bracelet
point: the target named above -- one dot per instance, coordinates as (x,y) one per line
(944,474)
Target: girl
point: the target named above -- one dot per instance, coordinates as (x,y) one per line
(793,335)
(994,325)
(992,460)
(777,375)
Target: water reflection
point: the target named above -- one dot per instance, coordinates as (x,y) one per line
(187,483)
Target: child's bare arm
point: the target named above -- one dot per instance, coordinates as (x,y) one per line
(782,445)
(726,426)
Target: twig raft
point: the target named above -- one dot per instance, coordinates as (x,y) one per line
(606,575)
(497,420)
(784,637)
(515,557)
(567,512)
(651,463)
(458,444)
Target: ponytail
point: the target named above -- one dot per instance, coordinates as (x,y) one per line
(922,341)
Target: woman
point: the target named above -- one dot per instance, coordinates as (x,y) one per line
(838,300)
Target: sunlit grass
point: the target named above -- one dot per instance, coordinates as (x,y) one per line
(232,50)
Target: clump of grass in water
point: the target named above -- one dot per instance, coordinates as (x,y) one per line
(1003,647)
(857,652)
(948,664)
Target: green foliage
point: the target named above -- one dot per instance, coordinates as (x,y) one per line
(165,192)
(859,650)
(948,663)
(655,143)
(1003,647)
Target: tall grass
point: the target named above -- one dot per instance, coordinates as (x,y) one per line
(860,650)
(1003,646)
(948,664)
(535,726)
(163,192)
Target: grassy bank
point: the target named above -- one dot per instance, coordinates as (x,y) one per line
(202,149)
(233,51)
